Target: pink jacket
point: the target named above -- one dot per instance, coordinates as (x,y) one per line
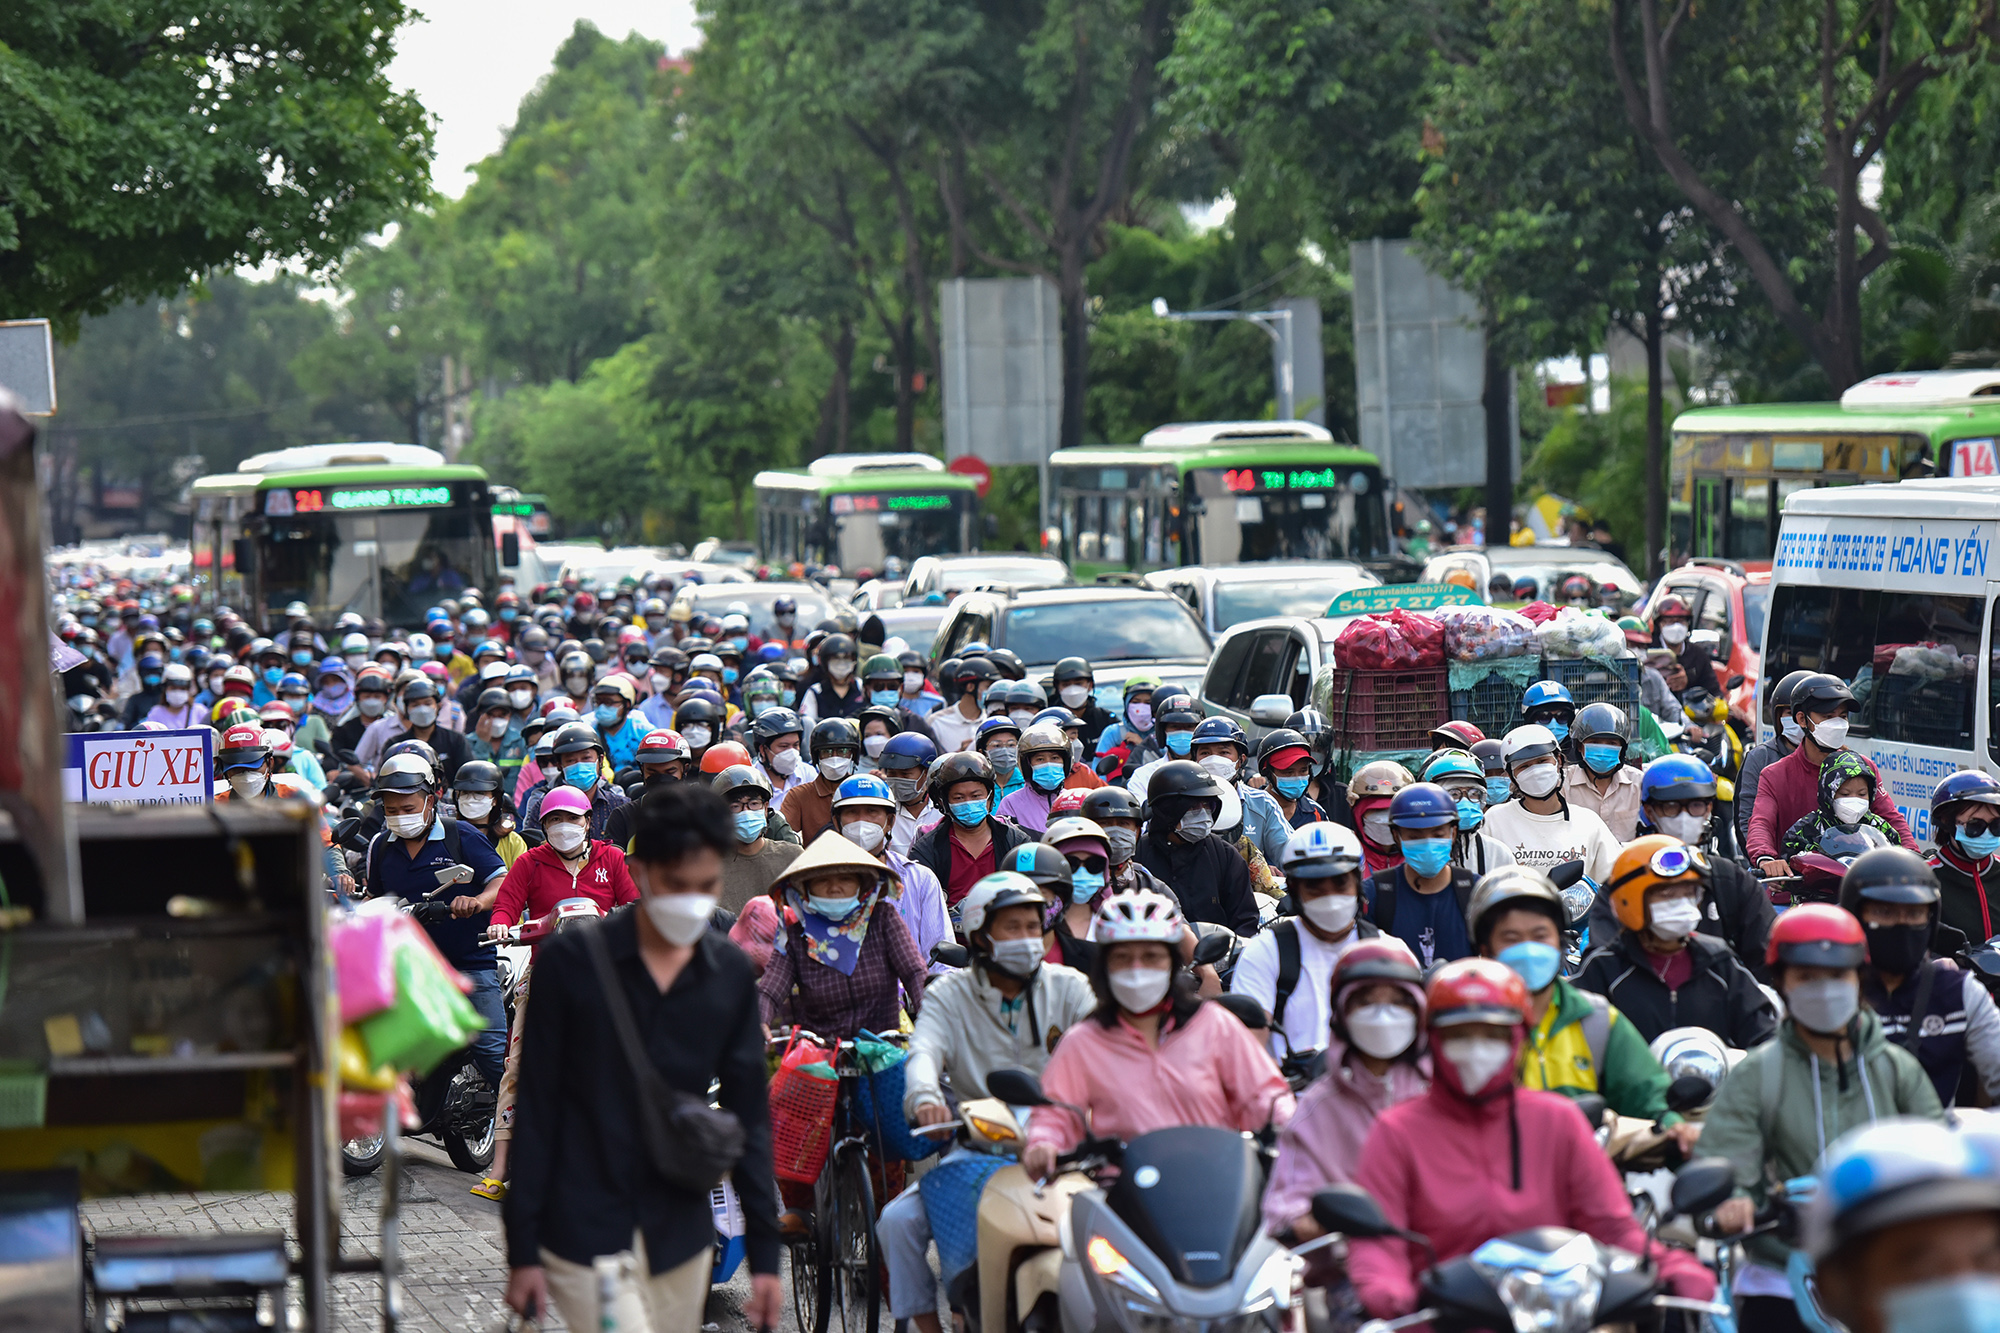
(1209,1071)
(1322,1144)
(1443,1167)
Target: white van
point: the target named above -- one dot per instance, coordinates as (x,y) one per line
(1894,589)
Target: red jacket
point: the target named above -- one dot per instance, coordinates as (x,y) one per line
(1443,1167)
(1788,791)
(539,880)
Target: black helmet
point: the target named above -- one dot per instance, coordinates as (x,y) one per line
(947,678)
(974,668)
(575,738)
(421,749)
(1491,756)
(1280,738)
(773,723)
(1820,693)
(1102,803)
(1601,719)
(1008,662)
(831,733)
(885,713)
(699,710)
(1780,702)
(405,773)
(958,766)
(1311,724)
(1178,708)
(477,775)
(836,645)
(420,688)
(1181,777)
(1072,668)
(1041,863)
(1889,875)
(489,700)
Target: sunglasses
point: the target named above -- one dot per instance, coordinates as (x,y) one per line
(1979,828)
(1090,862)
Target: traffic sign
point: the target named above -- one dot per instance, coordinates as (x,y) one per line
(966,465)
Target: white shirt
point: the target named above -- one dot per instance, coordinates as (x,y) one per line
(801,774)
(953,729)
(908,826)
(1496,854)
(1306,1014)
(1544,841)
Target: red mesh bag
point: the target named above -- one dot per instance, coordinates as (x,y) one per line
(801,1113)
(1396,641)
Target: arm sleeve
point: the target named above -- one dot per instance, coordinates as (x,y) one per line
(903,956)
(744,1092)
(1886,808)
(1803,835)
(1762,843)
(1299,1171)
(1731,1128)
(774,988)
(1600,1206)
(1260,1094)
(513,897)
(1603,855)
(1746,791)
(1982,1036)
(1237,899)
(1383,1271)
(623,890)
(1751,1021)
(930,1045)
(1755,918)
(1064,1079)
(535,1108)
(1634,1082)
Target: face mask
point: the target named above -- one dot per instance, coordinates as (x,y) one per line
(840,668)
(272,675)
(1021,717)
(1471,814)
(1084,885)
(247,784)
(1384,1031)
(302,658)
(550,772)
(1981,846)
(1674,920)
(423,715)
(1073,696)
(1898,950)
(1138,989)
(475,807)
(968,813)
(835,767)
(1375,828)
(1477,1060)
(1427,856)
(1688,828)
(1825,1005)
(832,909)
(1831,733)
(1004,758)
(1538,780)
(1219,767)
(1047,777)
(355,661)
(576,684)
(1196,824)
(1674,633)
(1179,743)
(1534,962)
(913,682)
(565,837)
(1333,912)
(371,705)
(1123,844)
(1559,730)
(408,826)
(1292,788)
(1602,759)
(759,707)
(1018,958)
(177,698)
(150,681)
(509,614)
(873,746)
(863,834)
(1962,1304)
(607,715)
(1140,716)
(905,790)
(782,762)
(1849,809)
(1793,732)
(750,825)
(882,698)
(1499,791)
(790,697)
(729,675)
(520,700)
(583,776)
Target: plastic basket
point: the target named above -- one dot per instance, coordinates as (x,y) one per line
(1493,704)
(801,1116)
(950,1192)
(1387,710)
(881,1107)
(1591,680)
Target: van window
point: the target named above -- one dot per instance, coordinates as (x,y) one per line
(1911,658)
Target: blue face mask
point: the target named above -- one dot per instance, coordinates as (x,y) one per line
(968,813)
(832,909)
(444,651)
(791,697)
(1559,730)
(1428,856)
(272,675)
(150,681)
(1534,962)
(1602,759)
(882,698)
(1471,814)
(508,613)
(1083,886)
(580,775)
(749,825)
(303,657)
(740,641)
(1498,790)
(1179,743)
(729,675)
(1047,776)
(607,715)
(759,707)
(1292,788)
(1982,846)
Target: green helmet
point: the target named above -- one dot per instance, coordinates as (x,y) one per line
(880,667)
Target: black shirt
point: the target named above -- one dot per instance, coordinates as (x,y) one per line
(581,1181)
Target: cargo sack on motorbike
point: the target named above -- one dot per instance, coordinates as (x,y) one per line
(364,965)
(1396,640)
(802,1100)
(430,1019)
(881,1102)
(1574,633)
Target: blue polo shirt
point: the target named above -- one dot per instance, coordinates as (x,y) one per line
(392,870)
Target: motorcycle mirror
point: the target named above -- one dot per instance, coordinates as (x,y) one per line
(1213,947)
(344,830)
(1702,1186)
(1248,1010)
(1565,873)
(950,953)
(1352,1211)
(1016,1087)
(1592,1106)
(1732,682)
(1689,1092)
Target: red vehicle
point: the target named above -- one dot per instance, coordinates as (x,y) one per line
(1728,600)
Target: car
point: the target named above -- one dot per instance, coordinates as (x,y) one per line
(714,551)
(914,625)
(877,595)
(948,575)
(1225,595)
(678,572)
(1548,566)
(1263,669)
(1728,602)
(1121,631)
(603,570)
(715,599)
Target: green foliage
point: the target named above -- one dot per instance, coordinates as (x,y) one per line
(1598,460)
(142,145)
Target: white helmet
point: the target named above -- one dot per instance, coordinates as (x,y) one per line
(421,648)
(1139,916)
(1003,888)
(1322,850)
(1523,743)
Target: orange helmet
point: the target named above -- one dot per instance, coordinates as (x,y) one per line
(720,756)
(1647,863)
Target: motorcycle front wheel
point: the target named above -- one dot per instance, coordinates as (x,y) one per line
(471,1152)
(359,1157)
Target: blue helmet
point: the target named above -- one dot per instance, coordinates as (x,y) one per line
(1422,805)
(1681,777)
(1453,764)
(1211,730)
(1960,788)
(1058,715)
(1545,694)
(907,750)
(293,683)
(992,725)
(863,789)
(1897,1171)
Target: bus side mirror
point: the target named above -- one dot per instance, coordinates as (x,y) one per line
(510,549)
(244,552)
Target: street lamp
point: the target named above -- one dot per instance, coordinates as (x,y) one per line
(1277,325)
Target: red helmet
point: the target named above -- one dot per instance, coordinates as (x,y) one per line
(1817,935)
(1455,735)
(721,756)
(1671,605)
(1383,958)
(1068,801)
(1475,990)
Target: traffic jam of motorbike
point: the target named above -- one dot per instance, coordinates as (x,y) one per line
(1083,1002)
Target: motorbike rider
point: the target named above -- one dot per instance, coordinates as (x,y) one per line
(1423,900)
(776,736)
(1007,1010)
(846,948)
(496,733)
(1220,747)
(1285,763)
(1904,1231)
(1129,746)
(1369,792)
(999,739)
(1113,810)
(905,765)
(863,811)
(1464,780)
(480,800)
(1476,1157)
(1539,825)
(1154,1054)
(962,679)
(1076,689)
(1044,759)
(1180,847)
(1830,1070)
(1575,1041)
(1784,736)
(578,749)
(1289,968)
(175,709)
(834,747)
(967,842)
(833,692)
(882,679)
(1673,622)
(1601,780)
(1175,716)
(1658,969)
(1846,789)
(1894,894)
(1965,821)
(420,712)
(1788,789)
(758,858)
(1547,703)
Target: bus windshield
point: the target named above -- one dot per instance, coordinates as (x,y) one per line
(865,530)
(330,561)
(1247,514)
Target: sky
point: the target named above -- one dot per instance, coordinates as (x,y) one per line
(470,62)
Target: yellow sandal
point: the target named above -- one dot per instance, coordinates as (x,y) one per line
(489,1188)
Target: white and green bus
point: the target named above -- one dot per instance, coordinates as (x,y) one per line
(857,511)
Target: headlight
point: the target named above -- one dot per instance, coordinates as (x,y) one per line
(1109,1264)
(1545,1291)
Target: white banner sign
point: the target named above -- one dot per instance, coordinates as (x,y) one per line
(147,767)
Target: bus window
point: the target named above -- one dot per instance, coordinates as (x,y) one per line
(1749,534)
(1910,658)
(1114,529)
(1089,523)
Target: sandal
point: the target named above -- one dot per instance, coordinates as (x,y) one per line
(489,1188)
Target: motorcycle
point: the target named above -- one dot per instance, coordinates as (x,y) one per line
(1820,870)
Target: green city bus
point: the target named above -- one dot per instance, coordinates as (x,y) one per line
(1731,468)
(857,511)
(384,530)
(1215,493)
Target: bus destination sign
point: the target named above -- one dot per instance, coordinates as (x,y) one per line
(316,500)
(893,504)
(1246,480)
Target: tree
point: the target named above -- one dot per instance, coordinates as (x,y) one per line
(1858,64)
(142,145)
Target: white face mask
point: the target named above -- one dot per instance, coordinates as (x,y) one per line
(783,762)
(1138,989)
(1333,912)
(247,784)
(565,837)
(873,745)
(912,681)
(840,668)
(1384,1031)
(1218,767)
(1688,828)
(1074,696)
(475,807)
(1831,733)
(1477,1060)
(1020,717)
(1196,824)
(1849,809)
(1537,780)
(177,698)
(1375,825)
(520,699)
(1020,958)
(1794,733)
(408,826)
(1673,632)
(696,737)
(1674,920)
(371,705)
(1825,1005)
(835,767)
(422,715)
(863,834)
(681,918)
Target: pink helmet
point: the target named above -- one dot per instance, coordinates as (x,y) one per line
(631,634)
(278,742)
(565,798)
(435,670)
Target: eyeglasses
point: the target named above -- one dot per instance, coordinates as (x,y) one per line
(1979,828)
(1699,806)
(743,805)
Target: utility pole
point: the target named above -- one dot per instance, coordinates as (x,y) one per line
(1277,325)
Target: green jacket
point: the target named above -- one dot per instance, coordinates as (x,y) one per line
(1770,1146)
(1562,1055)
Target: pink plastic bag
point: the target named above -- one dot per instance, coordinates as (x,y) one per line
(364,967)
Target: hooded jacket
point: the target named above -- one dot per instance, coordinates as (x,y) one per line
(1755,760)
(1721,995)
(1968,893)
(1789,789)
(1211,880)
(1805,832)
(1782,1105)
(931,849)
(964,1032)
(1738,912)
